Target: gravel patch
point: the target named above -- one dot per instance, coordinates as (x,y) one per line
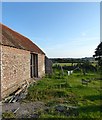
(22,110)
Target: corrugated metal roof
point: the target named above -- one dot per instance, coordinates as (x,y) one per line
(13,39)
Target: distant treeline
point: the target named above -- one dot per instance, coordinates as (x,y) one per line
(85,67)
(71,60)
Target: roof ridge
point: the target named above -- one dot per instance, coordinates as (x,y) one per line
(21,39)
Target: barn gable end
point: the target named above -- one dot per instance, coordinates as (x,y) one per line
(16,54)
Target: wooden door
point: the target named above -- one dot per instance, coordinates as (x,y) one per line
(34,65)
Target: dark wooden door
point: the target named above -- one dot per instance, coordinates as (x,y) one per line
(34,65)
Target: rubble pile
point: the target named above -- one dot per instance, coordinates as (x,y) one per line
(20,93)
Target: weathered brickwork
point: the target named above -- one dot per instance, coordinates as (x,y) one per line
(17,63)
(41,65)
(15,69)
(0,73)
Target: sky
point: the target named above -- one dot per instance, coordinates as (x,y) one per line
(60,29)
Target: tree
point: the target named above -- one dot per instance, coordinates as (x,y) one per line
(98,55)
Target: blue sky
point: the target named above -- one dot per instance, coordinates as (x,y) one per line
(59,29)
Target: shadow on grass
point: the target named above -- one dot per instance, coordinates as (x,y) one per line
(94,97)
(91,108)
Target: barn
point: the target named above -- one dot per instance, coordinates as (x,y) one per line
(20,60)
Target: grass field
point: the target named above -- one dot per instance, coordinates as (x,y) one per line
(66,97)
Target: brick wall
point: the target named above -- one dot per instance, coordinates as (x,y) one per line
(0,73)
(41,65)
(15,68)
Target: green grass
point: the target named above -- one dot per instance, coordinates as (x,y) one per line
(8,115)
(68,90)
